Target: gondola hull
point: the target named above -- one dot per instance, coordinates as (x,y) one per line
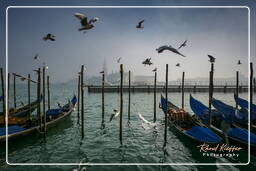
(193,124)
(49,124)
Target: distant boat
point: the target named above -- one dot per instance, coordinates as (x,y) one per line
(53,117)
(188,126)
(240,117)
(234,134)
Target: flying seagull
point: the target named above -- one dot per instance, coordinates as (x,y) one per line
(183,44)
(147,62)
(36,57)
(49,36)
(211,58)
(102,72)
(239,62)
(139,25)
(170,48)
(84,21)
(118,60)
(154,70)
(114,115)
(178,65)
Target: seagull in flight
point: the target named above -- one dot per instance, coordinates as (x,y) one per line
(183,44)
(139,25)
(178,65)
(36,57)
(211,58)
(49,36)
(102,72)
(86,25)
(170,48)
(114,115)
(118,60)
(147,62)
(154,70)
(239,62)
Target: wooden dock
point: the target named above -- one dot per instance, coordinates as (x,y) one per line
(161,88)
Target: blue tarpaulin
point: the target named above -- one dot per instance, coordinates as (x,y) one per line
(203,134)
(242,134)
(230,112)
(53,112)
(11,130)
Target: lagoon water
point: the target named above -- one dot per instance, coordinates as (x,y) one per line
(141,143)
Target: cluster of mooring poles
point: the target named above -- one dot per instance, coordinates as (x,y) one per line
(41,94)
(120,91)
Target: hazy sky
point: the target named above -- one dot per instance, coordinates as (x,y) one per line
(222,33)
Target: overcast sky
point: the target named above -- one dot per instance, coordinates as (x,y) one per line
(221,32)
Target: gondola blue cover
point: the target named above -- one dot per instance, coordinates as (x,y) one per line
(74,100)
(11,130)
(203,134)
(53,112)
(163,103)
(242,134)
(230,112)
(244,104)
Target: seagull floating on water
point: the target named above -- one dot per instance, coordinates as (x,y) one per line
(212,59)
(84,21)
(49,36)
(178,65)
(139,25)
(170,48)
(239,62)
(114,115)
(147,62)
(183,44)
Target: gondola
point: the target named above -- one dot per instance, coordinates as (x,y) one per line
(222,125)
(239,117)
(53,117)
(244,105)
(188,126)
(19,115)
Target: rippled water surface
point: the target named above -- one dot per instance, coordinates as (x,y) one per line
(141,143)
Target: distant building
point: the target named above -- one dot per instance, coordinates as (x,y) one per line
(143,80)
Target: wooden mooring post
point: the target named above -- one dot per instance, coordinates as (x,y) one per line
(39,99)
(210,93)
(8,91)
(14,90)
(44,112)
(3,92)
(237,86)
(82,100)
(121,105)
(78,95)
(48,92)
(166,106)
(251,94)
(182,90)
(154,119)
(29,102)
(103,101)
(129,97)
